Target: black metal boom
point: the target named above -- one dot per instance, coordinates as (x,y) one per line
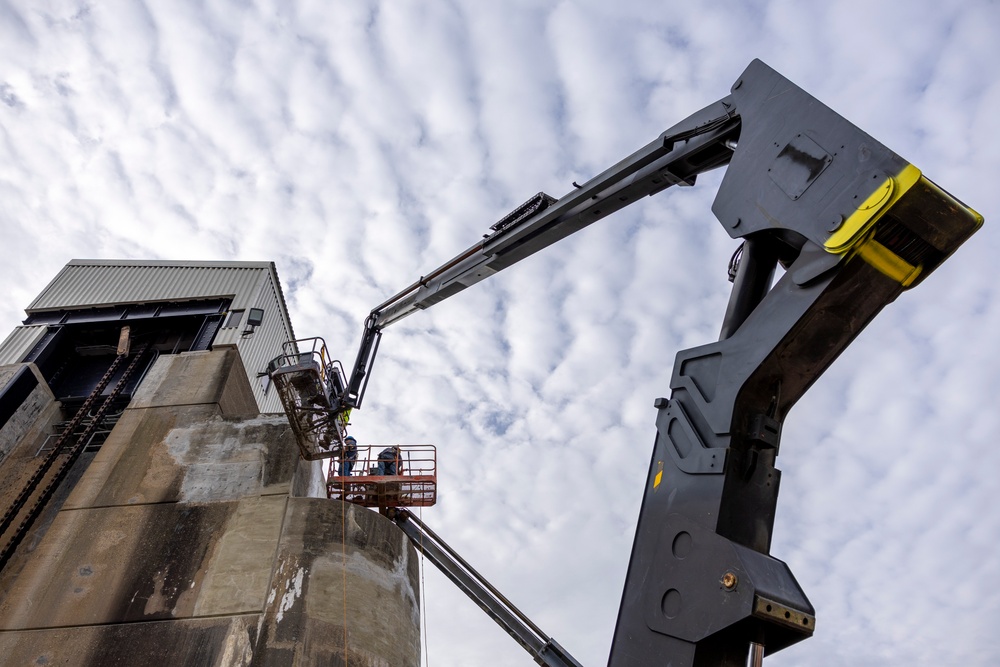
(701,143)
(853,225)
(545,650)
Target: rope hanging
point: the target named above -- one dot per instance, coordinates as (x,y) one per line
(423,591)
(343,551)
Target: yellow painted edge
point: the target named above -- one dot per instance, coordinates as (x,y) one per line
(888,263)
(865,216)
(976,215)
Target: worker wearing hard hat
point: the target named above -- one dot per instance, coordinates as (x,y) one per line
(349,456)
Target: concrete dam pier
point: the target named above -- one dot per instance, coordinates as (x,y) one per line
(196,536)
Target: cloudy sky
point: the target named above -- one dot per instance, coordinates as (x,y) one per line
(359,144)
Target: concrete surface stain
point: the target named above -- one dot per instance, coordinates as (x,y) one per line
(293,593)
(237,649)
(157,602)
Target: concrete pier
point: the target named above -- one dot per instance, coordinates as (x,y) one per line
(191,538)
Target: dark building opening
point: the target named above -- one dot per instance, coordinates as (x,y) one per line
(80,346)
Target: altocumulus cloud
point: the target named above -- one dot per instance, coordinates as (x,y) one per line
(363,143)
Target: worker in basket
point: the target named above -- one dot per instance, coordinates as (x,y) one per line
(390,461)
(348,456)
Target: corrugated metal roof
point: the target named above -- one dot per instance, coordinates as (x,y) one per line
(91,283)
(20,341)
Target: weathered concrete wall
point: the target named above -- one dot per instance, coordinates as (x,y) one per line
(183,544)
(30,423)
(194,642)
(336,557)
(20,439)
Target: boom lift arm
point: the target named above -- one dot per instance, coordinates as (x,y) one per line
(853,225)
(701,143)
(545,650)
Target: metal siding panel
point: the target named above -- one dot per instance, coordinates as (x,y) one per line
(94,285)
(20,341)
(266,342)
(90,283)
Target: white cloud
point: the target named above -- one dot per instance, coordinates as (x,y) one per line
(362,144)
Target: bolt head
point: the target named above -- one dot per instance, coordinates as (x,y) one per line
(729,581)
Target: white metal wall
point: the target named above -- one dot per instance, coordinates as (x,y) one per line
(265,342)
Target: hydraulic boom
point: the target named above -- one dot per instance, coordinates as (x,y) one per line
(853,225)
(545,650)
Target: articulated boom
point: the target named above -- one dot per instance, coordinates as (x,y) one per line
(853,225)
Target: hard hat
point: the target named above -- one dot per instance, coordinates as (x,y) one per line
(350,438)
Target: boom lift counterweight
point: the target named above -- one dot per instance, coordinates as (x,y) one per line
(853,225)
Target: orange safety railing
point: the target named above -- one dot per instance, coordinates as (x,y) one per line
(408,479)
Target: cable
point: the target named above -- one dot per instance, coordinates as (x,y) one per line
(734,262)
(423,591)
(343,550)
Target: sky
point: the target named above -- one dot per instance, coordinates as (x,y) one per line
(360,144)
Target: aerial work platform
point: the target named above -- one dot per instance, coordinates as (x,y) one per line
(411,480)
(308,382)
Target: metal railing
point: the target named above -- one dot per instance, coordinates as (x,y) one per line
(309,352)
(309,383)
(408,479)
(97,433)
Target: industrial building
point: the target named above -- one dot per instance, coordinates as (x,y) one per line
(156,510)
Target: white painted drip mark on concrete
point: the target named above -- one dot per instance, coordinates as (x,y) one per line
(288,599)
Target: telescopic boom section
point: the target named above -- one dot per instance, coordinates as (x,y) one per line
(853,225)
(543,649)
(701,143)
